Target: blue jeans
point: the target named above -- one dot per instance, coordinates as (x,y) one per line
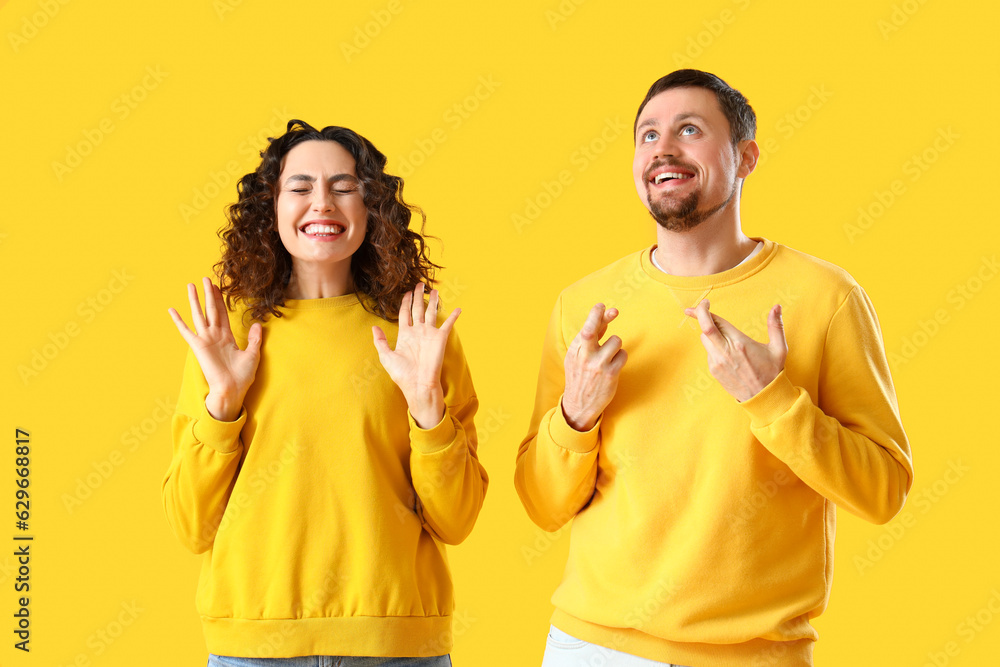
(328,661)
(563,650)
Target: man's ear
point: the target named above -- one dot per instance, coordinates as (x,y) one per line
(747,152)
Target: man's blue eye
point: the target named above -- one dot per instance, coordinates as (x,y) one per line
(646,137)
(685,129)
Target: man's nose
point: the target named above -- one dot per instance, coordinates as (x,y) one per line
(666,146)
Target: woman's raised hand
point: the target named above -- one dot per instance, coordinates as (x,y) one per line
(228,370)
(415,364)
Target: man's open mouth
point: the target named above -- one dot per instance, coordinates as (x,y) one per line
(671,176)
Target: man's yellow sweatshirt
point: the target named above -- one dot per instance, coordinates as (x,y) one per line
(323,510)
(703,528)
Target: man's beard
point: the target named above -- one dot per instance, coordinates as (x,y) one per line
(683,215)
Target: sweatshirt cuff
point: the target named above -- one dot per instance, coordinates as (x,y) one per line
(220,436)
(435,438)
(772,401)
(567,437)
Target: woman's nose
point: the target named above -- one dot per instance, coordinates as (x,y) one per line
(322,200)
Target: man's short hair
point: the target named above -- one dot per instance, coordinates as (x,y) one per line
(739,113)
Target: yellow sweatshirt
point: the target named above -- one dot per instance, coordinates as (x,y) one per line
(703,528)
(314,540)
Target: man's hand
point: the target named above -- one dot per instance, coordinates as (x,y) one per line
(741,365)
(592,370)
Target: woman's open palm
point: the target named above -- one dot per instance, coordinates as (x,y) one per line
(228,370)
(415,364)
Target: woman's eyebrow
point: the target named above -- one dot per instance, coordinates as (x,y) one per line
(312,179)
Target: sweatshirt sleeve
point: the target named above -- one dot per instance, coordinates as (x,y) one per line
(448,478)
(556,470)
(206,458)
(851,447)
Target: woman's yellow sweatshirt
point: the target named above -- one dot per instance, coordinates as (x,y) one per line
(323,510)
(703,528)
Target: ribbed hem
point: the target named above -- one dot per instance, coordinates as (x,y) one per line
(568,437)
(771,402)
(377,636)
(219,435)
(435,438)
(754,653)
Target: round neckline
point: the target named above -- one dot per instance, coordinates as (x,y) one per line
(341,301)
(729,276)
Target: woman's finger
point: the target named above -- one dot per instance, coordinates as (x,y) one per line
(223,312)
(431,315)
(418,304)
(196,315)
(186,333)
(404,310)
(254,338)
(447,325)
(381,343)
(211,307)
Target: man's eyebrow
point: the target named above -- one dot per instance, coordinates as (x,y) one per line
(684,116)
(649,122)
(336,178)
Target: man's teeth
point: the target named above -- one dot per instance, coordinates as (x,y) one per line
(670,174)
(323,229)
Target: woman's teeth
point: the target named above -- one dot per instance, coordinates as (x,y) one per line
(322,230)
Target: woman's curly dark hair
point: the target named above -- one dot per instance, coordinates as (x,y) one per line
(255,267)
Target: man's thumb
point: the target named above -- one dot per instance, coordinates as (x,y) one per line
(776,332)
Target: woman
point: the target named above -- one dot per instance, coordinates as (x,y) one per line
(320,487)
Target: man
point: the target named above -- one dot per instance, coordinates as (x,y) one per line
(703,492)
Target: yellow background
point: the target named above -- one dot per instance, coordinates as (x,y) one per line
(165,105)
